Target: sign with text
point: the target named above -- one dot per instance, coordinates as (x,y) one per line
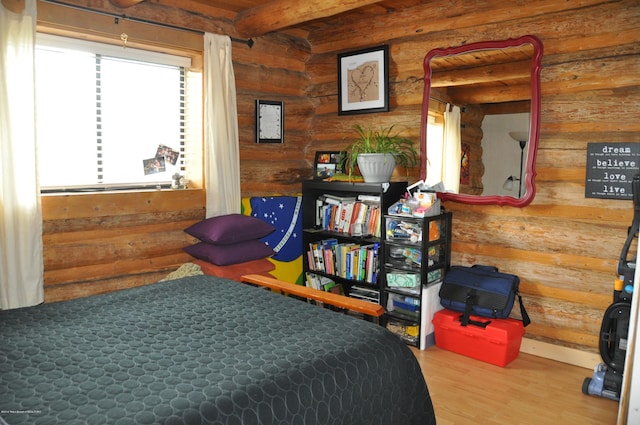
(610,169)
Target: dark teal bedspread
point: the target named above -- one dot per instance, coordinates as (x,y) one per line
(203,350)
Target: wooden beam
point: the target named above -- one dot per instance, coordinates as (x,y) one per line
(482,74)
(125,3)
(279,14)
(15,6)
(489,94)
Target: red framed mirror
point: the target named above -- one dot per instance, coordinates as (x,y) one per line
(490,81)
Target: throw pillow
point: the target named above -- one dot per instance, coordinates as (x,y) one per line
(229,229)
(223,255)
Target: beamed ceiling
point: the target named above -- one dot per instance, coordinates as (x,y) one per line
(315,21)
(245,18)
(253,18)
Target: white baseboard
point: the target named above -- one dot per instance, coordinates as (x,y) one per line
(558,353)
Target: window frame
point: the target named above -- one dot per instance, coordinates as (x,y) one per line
(438,119)
(68,22)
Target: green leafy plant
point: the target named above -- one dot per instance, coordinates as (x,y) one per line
(383,140)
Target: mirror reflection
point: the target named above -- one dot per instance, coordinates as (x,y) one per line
(480,120)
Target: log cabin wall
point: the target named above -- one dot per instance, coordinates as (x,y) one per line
(564,246)
(97,243)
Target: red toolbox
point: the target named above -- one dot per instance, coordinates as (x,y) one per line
(498,343)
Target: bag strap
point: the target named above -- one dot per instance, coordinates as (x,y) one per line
(469,302)
(523,312)
(485,268)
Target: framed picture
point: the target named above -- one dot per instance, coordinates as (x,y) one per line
(328,164)
(363,81)
(269,121)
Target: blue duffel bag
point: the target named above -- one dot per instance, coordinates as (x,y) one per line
(481,291)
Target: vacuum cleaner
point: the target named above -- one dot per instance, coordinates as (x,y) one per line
(607,376)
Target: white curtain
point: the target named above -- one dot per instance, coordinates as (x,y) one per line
(452,149)
(221,144)
(21,261)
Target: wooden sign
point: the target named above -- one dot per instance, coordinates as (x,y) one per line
(610,169)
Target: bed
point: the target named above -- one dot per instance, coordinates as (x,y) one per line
(203,350)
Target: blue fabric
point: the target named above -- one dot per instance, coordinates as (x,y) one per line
(285,214)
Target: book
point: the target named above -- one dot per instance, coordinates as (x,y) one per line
(331,198)
(327,246)
(371,266)
(318,259)
(369,198)
(365,294)
(355,208)
(321,283)
(311,262)
(341,258)
(345,219)
(319,210)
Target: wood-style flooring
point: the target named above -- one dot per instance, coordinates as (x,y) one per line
(530,390)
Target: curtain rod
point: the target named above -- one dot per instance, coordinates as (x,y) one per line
(462,108)
(248,42)
(444,102)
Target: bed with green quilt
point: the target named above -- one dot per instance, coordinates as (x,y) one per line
(203,350)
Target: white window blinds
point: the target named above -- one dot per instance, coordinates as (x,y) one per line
(110,117)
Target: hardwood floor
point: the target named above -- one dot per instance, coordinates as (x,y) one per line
(529,390)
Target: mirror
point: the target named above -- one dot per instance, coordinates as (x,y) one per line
(496,84)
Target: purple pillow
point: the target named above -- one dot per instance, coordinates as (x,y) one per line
(229,229)
(223,255)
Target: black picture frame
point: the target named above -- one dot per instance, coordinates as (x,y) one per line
(327,164)
(363,81)
(269,121)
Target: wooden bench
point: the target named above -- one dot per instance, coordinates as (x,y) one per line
(371,311)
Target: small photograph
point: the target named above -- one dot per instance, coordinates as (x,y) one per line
(325,170)
(169,155)
(153,165)
(327,164)
(324,158)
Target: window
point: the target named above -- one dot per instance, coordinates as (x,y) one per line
(435,149)
(110,117)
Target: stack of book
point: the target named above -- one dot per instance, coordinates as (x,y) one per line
(346,260)
(406,306)
(322,283)
(356,216)
(365,294)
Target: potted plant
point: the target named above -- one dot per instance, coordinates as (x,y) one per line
(377,152)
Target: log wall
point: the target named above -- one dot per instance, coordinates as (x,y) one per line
(97,243)
(564,246)
(100,243)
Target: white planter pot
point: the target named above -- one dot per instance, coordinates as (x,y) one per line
(376,167)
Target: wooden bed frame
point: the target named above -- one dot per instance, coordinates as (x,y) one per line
(370,310)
